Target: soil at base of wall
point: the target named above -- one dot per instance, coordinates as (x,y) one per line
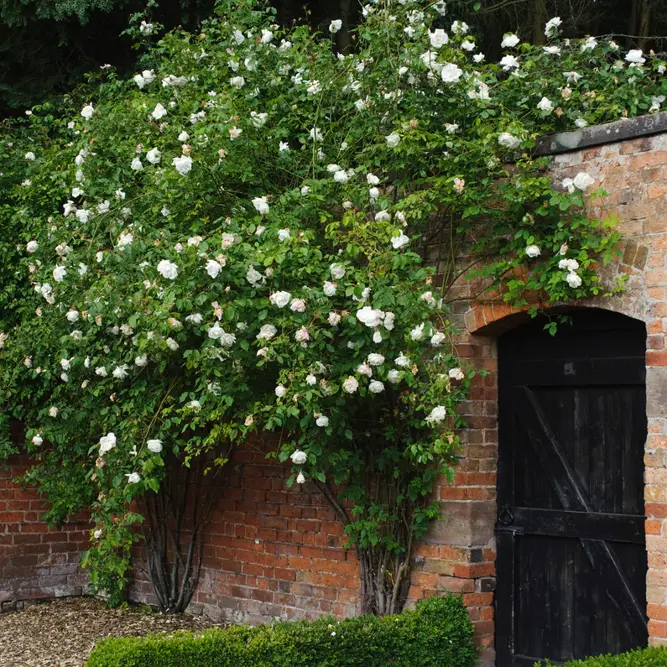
(62,633)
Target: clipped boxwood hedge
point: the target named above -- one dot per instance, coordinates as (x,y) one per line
(648,657)
(437,633)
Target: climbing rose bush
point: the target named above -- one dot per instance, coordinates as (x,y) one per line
(255,233)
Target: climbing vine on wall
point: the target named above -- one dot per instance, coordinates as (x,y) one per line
(237,240)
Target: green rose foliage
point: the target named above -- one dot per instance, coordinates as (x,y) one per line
(239,239)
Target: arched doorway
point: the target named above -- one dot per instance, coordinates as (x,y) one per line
(571,568)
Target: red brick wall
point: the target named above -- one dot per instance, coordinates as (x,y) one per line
(35,561)
(272,552)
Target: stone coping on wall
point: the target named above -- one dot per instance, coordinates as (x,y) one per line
(619,130)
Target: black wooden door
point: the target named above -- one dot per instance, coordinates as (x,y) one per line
(571,569)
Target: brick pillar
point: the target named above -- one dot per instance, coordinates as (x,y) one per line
(458,554)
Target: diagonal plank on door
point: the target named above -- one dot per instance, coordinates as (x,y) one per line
(573,498)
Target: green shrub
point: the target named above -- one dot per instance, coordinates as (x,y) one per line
(437,634)
(650,657)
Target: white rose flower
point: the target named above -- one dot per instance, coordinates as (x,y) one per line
(298,306)
(581,123)
(159,112)
(280,299)
(97,533)
(335,26)
(101,371)
(635,56)
(589,44)
(333,319)
(227,339)
(154,156)
(213,268)
(59,273)
(569,264)
(341,177)
(350,385)
(394,376)
(283,147)
(194,405)
(393,140)
(582,181)
(253,276)
(154,446)
(53,411)
(438,338)
(370,316)
(300,478)
(167,269)
(337,271)
(573,280)
(29,156)
(125,239)
(329,288)
(298,457)
(365,369)
(136,164)
(458,27)
(72,316)
(545,105)
(510,40)
(280,391)
(133,477)
(451,73)
(302,335)
(376,387)
(32,246)
(311,380)
(172,344)
(418,332)
(509,62)
(438,38)
(437,415)
(141,361)
(88,111)
(182,164)
(552,25)
(507,140)
(37,440)
(107,443)
(322,421)
(195,318)
(375,359)
(399,241)
(532,251)
(456,374)
(267,332)
(402,361)
(120,372)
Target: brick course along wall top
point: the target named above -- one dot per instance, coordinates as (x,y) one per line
(276,553)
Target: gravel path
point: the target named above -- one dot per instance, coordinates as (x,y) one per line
(62,633)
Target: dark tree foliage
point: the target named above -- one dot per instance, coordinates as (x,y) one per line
(46,45)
